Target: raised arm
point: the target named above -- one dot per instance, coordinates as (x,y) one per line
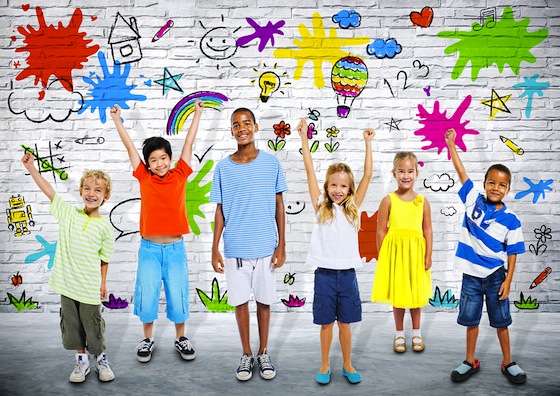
(368,168)
(41,182)
(133,154)
(312,183)
(450,136)
(186,153)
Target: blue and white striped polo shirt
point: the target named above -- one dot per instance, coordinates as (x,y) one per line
(487,235)
(247,193)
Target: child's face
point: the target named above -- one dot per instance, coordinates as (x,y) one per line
(93,193)
(159,162)
(338,187)
(243,128)
(405,173)
(496,186)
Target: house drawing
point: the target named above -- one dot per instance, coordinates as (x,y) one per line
(124,40)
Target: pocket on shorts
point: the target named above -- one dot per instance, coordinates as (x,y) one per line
(99,326)
(61,323)
(185,300)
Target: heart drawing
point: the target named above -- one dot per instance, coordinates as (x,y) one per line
(422,18)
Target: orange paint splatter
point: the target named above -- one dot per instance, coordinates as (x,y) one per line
(367,236)
(55,51)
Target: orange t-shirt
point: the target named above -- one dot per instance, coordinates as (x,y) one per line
(163,210)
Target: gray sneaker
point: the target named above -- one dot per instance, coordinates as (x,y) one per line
(81,369)
(103,370)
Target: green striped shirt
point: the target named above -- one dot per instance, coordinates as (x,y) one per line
(83,242)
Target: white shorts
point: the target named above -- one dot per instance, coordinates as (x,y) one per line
(255,275)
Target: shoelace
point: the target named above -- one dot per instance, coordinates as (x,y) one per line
(264,361)
(103,364)
(80,366)
(144,346)
(185,344)
(245,364)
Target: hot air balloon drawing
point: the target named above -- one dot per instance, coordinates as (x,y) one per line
(348,78)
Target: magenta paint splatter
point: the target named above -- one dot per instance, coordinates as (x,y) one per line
(437,123)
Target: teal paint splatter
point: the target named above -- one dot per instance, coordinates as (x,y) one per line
(110,90)
(531,88)
(49,249)
(198,195)
(508,42)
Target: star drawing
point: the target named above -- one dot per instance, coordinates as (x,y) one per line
(393,124)
(497,103)
(169,81)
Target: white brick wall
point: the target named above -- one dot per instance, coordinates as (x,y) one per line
(179,51)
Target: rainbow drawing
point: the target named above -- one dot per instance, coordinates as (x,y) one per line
(185,107)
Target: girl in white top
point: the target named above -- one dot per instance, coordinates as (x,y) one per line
(333,250)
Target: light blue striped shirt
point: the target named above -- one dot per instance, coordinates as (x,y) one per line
(247,193)
(487,235)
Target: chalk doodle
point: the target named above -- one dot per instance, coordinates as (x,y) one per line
(384,48)
(436,125)
(49,250)
(19,216)
(349,77)
(218,44)
(198,195)
(169,81)
(289,278)
(473,46)
(332,133)
(90,140)
(269,82)
(185,107)
(46,163)
(487,19)
(22,304)
(512,145)
(540,277)
(393,124)
(16,279)
(53,103)
(438,183)
(280,130)
(317,48)
(423,18)
(347,19)
(293,301)
(448,211)
(115,302)
(537,189)
(416,64)
(526,303)
(55,51)
(263,33)
(295,208)
(448,300)
(163,30)
(542,234)
(215,303)
(110,90)
(531,88)
(497,103)
(122,211)
(200,158)
(367,236)
(124,40)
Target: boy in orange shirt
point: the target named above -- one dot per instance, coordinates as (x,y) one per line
(163,221)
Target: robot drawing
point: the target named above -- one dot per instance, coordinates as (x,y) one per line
(19,215)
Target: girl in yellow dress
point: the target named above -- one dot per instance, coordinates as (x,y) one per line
(404,237)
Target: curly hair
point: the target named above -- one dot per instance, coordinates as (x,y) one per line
(97,174)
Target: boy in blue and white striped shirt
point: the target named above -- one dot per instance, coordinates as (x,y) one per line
(489,241)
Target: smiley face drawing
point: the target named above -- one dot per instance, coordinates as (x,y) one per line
(294,209)
(218,44)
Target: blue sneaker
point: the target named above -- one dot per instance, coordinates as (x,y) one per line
(266,368)
(245,369)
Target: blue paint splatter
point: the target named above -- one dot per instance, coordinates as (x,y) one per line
(49,249)
(536,189)
(532,87)
(110,90)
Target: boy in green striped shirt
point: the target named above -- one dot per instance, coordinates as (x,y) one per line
(85,245)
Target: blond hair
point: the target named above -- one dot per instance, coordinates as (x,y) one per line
(402,155)
(97,174)
(349,207)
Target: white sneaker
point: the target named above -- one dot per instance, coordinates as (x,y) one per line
(103,370)
(81,369)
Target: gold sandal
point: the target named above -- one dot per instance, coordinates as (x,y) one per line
(417,344)
(399,344)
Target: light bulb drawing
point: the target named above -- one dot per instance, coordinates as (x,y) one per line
(348,78)
(269,82)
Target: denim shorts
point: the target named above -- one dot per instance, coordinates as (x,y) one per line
(472,295)
(336,297)
(159,262)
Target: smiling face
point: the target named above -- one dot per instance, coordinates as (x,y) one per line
(338,187)
(94,193)
(159,162)
(496,186)
(218,44)
(243,128)
(406,173)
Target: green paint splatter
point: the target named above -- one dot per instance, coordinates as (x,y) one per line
(198,195)
(508,42)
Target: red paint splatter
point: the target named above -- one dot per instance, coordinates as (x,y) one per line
(41,95)
(93,18)
(25,7)
(55,51)
(17,64)
(367,236)
(14,38)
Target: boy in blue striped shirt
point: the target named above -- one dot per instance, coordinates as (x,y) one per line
(489,242)
(247,187)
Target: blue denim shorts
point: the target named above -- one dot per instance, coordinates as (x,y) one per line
(336,297)
(472,295)
(159,262)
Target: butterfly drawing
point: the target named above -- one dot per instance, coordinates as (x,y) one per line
(314,115)
(289,278)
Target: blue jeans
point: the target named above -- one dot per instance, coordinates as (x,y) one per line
(473,292)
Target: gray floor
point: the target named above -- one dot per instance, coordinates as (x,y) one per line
(33,362)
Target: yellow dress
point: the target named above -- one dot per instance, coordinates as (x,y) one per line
(400,278)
